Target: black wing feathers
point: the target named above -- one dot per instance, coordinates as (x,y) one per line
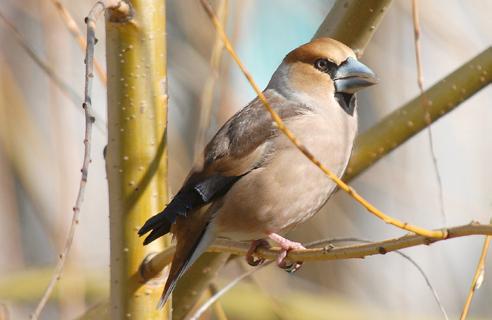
(188,198)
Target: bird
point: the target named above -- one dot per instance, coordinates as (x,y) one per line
(255,184)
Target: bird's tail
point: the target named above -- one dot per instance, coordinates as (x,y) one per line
(161,223)
(189,247)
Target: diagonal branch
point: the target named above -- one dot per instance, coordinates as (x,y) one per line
(408,120)
(477,278)
(207,95)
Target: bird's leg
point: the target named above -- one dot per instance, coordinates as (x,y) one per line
(255,244)
(286,245)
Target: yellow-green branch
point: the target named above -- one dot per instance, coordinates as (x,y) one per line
(136,161)
(405,122)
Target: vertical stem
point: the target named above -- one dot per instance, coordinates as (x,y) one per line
(137,151)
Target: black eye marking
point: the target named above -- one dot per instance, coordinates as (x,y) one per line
(324,65)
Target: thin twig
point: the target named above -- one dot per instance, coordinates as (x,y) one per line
(64,87)
(427,281)
(155,264)
(75,31)
(207,95)
(477,278)
(95,12)
(224,290)
(403,255)
(281,126)
(218,309)
(275,305)
(425,104)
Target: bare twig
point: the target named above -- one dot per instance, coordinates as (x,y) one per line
(74,29)
(329,243)
(281,126)
(427,281)
(207,95)
(477,278)
(223,291)
(95,12)
(403,255)
(155,264)
(64,87)
(218,309)
(275,305)
(425,104)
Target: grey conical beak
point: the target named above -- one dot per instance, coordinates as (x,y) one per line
(352,75)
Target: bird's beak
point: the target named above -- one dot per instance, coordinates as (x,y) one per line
(352,75)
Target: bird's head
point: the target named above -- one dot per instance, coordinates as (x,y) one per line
(324,68)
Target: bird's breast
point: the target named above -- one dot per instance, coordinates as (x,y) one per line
(289,188)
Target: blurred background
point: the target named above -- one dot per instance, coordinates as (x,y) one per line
(41,133)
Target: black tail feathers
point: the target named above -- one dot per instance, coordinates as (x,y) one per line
(161,223)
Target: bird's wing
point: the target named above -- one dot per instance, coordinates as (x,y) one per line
(241,145)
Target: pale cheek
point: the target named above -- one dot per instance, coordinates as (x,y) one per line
(311,82)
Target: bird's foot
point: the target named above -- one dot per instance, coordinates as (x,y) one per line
(286,245)
(255,244)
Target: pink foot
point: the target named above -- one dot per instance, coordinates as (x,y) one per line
(286,246)
(255,244)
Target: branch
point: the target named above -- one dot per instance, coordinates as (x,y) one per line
(408,120)
(477,278)
(137,150)
(89,121)
(215,297)
(159,261)
(74,30)
(293,139)
(218,308)
(400,253)
(195,281)
(353,22)
(207,95)
(425,105)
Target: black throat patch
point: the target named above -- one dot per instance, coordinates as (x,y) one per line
(346,101)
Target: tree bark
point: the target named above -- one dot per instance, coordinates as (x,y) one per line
(136,152)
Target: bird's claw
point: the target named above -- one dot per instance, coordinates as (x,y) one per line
(286,245)
(287,265)
(290,267)
(250,258)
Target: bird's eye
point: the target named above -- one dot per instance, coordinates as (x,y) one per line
(324,65)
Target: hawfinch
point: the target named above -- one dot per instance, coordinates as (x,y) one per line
(255,184)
